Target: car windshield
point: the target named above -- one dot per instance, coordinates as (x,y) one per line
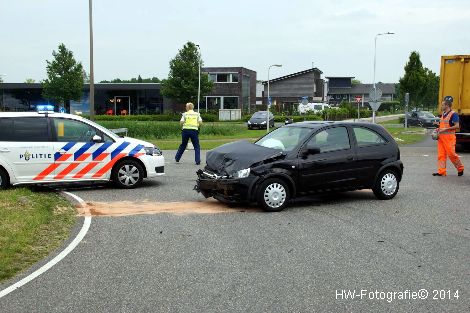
(284,138)
(426,114)
(260,115)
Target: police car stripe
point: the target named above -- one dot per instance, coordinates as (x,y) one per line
(119,149)
(72,166)
(82,150)
(109,165)
(136,150)
(101,149)
(52,167)
(65,148)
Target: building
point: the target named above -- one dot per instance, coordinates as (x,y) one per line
(342,89)
(286,91)
(234,88)
(139,98)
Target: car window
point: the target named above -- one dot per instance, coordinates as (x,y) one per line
(318,107)
(70,130)
(331,139)
(260,115)
(24,129)
(284,138)
(367,137)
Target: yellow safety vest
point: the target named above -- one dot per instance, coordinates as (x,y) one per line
(191,120)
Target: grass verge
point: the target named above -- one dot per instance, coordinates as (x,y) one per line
(32,225)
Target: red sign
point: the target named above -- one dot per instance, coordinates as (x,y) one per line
(358,98)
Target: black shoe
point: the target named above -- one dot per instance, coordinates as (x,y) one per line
(460,173)
(437,174)
(198,163)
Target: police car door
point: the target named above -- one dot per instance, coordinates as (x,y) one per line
(25,146)
(76,155)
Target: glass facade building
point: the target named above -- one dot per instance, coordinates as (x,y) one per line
(111,99)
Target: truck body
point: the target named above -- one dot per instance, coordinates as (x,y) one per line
(455,82)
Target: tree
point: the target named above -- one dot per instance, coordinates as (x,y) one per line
(29,81)
(64,78)
(355,81)
(431,90)
(414,80)
(132,80)
(182,82)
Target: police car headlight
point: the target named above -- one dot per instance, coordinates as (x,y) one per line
(249,122)
(242,173)
(153,151)
(264,122)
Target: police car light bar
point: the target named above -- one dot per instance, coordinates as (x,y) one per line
(46,108)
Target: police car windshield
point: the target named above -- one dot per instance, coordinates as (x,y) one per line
(103,129)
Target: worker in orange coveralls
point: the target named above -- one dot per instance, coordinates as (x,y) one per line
(446,142)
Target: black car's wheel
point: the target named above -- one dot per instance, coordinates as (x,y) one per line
(273,195)
(128,174)
(387,185)
(4,181)
(420,124)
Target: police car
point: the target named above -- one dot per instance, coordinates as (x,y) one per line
(48,147)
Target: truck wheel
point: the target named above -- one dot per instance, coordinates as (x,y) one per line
(273,195)
(4,181)
(387,185)
(128,174)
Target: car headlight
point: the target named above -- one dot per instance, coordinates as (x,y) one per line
(249,122)
(153,151)
(242,173)
(264,122)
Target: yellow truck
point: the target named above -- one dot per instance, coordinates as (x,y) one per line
(455,82)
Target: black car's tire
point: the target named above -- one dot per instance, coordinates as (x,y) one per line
(4,181)
(420,124)
(387,185)
(127,174)
(273,195)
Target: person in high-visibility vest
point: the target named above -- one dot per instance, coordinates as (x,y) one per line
(190,121)
(446,141)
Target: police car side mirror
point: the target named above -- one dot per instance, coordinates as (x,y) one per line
(97,139)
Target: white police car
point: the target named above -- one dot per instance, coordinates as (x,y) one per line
(47,147)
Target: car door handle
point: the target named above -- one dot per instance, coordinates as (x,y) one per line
(61,152)
(350,158)
(5,150)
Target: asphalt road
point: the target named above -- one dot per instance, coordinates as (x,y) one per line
(297,260)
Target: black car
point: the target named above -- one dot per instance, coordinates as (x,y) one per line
(422,119)
(300,159)
(260,119)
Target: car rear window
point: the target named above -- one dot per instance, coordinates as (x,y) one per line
(24,129)
(367,137)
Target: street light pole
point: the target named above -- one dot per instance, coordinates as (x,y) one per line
(199,81)
(268,104)
(375,61)
(92,79)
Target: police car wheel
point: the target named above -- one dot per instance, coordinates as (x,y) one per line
(4,182)
(387,185)
(273,195)
(128,174)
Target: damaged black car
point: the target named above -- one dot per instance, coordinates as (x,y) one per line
(301,159)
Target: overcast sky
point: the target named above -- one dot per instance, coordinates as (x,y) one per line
(141,36)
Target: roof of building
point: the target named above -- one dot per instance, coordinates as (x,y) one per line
(387,88)
(293,75)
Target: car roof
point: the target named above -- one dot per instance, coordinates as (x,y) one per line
(39,114)
(318,124)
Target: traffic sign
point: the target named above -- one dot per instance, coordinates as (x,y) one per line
(375,105)
(358,99)
(375,94)
(269,100)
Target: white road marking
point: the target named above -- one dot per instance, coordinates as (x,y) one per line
(58,258)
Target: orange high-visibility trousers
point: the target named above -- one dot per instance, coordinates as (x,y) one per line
(446,148)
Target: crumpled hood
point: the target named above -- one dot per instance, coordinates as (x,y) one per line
(232,157)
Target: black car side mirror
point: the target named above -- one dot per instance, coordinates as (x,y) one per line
(310,150)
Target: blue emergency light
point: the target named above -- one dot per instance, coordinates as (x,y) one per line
(45,108)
